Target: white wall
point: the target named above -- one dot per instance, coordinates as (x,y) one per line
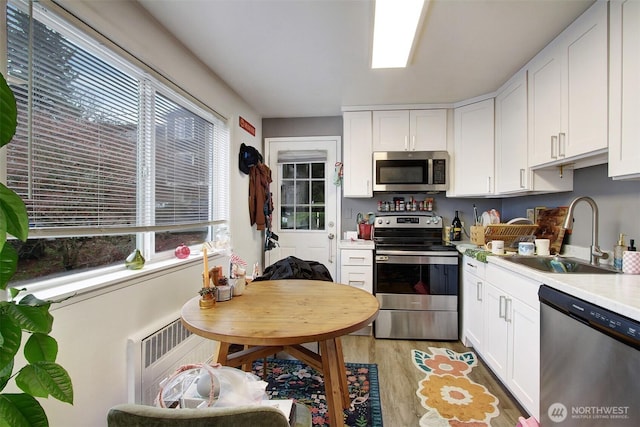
(92,333)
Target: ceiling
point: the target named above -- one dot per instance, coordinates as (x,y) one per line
(306,58)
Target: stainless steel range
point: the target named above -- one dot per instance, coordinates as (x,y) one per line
(415,279)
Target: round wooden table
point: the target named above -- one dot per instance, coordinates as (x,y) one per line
(276,315)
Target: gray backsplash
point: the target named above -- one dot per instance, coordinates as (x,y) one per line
(618,203)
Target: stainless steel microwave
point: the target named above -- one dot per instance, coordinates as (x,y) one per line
(410,171)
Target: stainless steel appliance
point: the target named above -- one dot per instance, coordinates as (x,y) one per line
(415,279)
(410,171)
(589,362)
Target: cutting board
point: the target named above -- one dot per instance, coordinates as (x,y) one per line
(550,226)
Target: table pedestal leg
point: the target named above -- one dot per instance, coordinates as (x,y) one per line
(335,380)
(223,353)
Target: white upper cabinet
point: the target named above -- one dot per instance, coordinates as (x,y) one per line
(568,92)
(624,111)
(428,130)
(410,130)
(357,156)
(473,157)
(511,136)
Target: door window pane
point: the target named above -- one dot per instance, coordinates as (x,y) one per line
(302,170)
(302,196)
(287,191)
(287,218)
(317,192)
(302,192)
(288,171)
(317,218)
(317,170)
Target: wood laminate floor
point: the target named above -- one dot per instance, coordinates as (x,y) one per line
(399,378)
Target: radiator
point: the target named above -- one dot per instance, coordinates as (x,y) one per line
(155,353)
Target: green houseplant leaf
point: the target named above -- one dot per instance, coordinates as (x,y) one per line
(8,113)
(12,208)
(21,410)
(41,377)
(30,318)
(11,338)
(41,348)
(8,264)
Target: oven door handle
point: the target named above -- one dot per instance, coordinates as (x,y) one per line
(417,253)
(416,259)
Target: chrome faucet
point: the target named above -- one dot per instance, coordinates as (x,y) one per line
(595,254)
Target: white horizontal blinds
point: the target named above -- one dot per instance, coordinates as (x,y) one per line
(183,164)
(220,176)
(98,149)
(81,147)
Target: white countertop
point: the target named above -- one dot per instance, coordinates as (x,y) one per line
(619,293)
(356,244)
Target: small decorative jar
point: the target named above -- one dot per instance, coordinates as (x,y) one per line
(135,260)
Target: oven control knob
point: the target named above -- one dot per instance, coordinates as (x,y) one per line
(436,219)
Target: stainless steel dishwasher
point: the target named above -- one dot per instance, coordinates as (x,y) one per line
(589,364)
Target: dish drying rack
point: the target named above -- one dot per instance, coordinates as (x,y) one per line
(511,234)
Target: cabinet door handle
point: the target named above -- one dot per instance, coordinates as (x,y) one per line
(413,143)
(522,178)
(406,143)
(479,291)
(508,304)
(471,265)
(489,184)
(503,303)
(361,282)
(562,142)
(554,143)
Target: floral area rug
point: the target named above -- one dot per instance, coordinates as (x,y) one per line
(292,379)
(450,397)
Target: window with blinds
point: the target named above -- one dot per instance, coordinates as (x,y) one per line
(105,157)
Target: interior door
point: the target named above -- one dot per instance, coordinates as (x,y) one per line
(305,199)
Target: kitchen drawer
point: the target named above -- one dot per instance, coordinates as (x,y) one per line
(473,266)
(358,276)
(356,257)
(518,286)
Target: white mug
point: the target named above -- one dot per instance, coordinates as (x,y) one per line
(542,246)
(496,247)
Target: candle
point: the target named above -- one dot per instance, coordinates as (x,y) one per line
(206,267)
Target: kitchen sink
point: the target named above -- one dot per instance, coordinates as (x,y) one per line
(559,265)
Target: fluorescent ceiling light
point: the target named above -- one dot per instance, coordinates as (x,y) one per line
(394,29)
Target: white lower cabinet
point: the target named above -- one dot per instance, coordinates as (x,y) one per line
(473,284)
(356,269)
(512,334)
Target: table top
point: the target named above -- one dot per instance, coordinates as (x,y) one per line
(283,312)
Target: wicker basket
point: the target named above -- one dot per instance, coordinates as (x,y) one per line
(510,234)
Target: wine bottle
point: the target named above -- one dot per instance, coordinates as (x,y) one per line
(456,228)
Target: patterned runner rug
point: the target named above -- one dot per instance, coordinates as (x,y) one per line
(292,379)
(450,397)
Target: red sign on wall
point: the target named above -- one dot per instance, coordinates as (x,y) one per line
(247,126)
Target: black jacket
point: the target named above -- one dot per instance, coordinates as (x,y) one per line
(295,268)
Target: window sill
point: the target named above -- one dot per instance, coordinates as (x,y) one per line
(66,290)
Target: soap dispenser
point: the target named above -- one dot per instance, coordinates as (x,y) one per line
(618,251)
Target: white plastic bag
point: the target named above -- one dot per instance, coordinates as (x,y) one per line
(202,385)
